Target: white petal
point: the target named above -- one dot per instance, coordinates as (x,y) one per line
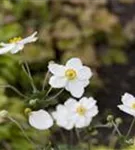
(29,39)
(40,119)
(92,112)
(4,44)
(127,109)
(57,82)
(62,117)
(81,122)
(6,48)
(76,88)
(74,63)
(56,69)
(85,83)
(17,48)
(87,102)
(128,99)
(84,73)
(71,104)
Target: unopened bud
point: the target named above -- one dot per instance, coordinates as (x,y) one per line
(27,111)
(118,121)
(33,102)
(51,62)
(3,113)
(110,118)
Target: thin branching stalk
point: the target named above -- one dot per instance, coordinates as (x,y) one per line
(14,89)
(50,89)
(102,126)
(27,72)
(45,80)
(116,128)
(78,134)
(130,128)
(22,130)
(55,96)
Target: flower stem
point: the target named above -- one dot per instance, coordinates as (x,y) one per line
(28,73)
(116,128)
(50,89)
(78,135)
(53,97)
(19,126)
(14,89)
(45,79)
(130,128)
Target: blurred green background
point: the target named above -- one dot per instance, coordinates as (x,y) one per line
(100,32)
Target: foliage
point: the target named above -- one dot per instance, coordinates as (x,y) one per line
(86,29)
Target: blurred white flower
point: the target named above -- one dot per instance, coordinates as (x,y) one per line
(75,113)
(128,105)
(17,44)
(74,77)
(63,117)
(40,119)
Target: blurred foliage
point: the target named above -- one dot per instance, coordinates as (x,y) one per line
(83,28)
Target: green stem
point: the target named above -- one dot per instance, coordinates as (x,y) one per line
(14,89)
(50,89)
(45,79)
(130,128)
(78,135)
(102,126)
(53,97)
(27,71)
(116,128)
(19,126)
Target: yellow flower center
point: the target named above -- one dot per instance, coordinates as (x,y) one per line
(81,110)
(133,105)
(70,74)
(15,40)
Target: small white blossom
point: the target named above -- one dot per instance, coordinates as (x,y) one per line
(75,113)
(74,77)
(128,105)
(63,117)
(40,119)
(17,44)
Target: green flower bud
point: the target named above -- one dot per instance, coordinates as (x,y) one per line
(33,102)
(3,113)
(51,62)
(110,118)
(27,111)
(118,121)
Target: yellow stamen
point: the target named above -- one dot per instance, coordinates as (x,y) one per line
(81,110)
(70,74)
(133,105)
(15,40)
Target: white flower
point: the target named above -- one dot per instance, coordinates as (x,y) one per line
(128,105)
(40,119)
(74,77)
(63,117)
(74,113)
(16,44)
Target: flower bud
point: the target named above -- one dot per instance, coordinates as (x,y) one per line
(110,118)
(118,121)
(3,113)
(33,102)
(51,62)
(27,111)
